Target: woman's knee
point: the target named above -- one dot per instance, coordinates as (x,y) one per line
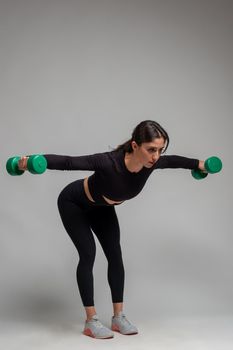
(114,255)
(87,258)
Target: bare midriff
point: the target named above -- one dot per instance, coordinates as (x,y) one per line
(89,196)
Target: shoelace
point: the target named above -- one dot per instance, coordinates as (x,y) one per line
(97,323)
(124,319)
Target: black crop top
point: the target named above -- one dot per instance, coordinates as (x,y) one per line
(111,177)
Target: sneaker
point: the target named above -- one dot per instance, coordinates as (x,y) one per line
(122,325)
(95,329)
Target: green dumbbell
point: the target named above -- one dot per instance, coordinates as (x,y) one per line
(12,166)
(212,165)
(36,164)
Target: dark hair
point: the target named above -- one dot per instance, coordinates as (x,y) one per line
(146,131)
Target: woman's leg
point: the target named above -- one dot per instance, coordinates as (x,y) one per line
(77,226)
(104,223)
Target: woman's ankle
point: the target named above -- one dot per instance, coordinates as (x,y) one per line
(117,308)
(90,312)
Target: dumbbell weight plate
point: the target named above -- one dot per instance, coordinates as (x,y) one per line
(12,166)
(37,164)
(198,174)
(213,165)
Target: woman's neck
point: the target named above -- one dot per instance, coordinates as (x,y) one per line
(132,163)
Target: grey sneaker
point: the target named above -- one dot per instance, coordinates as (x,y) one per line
(95,329)
(122,325)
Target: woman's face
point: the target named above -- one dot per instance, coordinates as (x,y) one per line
(149,152)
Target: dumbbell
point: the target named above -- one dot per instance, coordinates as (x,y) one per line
(212,165)
(36,164)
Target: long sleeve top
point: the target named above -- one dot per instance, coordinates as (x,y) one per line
(111,177)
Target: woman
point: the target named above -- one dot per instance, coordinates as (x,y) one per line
(88,205)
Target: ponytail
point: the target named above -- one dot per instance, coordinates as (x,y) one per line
(146,131)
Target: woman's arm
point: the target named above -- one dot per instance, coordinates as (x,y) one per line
(62,162)
(174,161)
(88,162)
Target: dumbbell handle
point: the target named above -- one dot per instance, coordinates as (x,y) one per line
(212,165)
(22,163)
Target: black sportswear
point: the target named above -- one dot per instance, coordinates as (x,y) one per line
(82,217)
(111,177)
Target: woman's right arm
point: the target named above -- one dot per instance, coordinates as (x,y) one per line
(63,162)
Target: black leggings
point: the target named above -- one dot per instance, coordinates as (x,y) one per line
(80,217)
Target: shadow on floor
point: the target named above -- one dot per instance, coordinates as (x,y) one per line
(45,310)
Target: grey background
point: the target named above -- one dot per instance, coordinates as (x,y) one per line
(76,78)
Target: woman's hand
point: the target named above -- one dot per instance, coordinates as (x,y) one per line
(201,165)
(22,163)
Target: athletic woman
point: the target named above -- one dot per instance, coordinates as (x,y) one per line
(87,206)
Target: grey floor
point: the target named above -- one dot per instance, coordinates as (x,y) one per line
(189,333)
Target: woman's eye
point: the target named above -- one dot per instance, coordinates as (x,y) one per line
(155,150)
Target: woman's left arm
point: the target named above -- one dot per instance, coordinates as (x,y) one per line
(174,161)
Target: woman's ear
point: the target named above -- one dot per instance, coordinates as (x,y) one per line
(134,145)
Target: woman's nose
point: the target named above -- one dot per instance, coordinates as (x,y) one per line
(155,156)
